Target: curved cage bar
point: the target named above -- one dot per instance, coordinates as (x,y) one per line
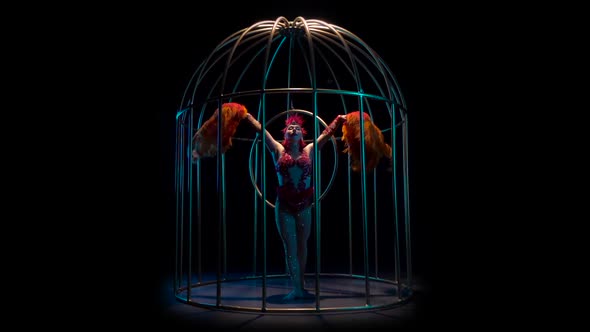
(228,254)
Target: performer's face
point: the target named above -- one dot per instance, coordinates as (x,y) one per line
(293,132)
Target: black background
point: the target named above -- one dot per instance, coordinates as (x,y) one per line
(417,50)
(136,64)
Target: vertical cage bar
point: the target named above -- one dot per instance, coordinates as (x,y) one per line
(220,210)
(190,207)
(375,230)
(349,185)
(407,202)
(255,226)
(364,201)
(396,252)
(182,203)
(176,215)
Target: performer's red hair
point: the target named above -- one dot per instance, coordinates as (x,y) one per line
(205,140)
(375,146)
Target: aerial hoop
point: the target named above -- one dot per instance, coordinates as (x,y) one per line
(332,139)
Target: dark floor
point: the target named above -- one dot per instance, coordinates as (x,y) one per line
(175,313)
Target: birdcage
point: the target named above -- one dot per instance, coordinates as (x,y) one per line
(228,252)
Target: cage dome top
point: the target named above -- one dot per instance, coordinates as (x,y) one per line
(301,63)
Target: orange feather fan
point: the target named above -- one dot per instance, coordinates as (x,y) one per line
(375,146)
(205,140)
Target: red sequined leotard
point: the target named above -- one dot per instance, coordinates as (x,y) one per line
(295,197)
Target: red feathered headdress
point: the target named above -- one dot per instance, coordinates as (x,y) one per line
(294,119)
(298,120)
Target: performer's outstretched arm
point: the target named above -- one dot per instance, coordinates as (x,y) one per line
(329,131)
(271,143)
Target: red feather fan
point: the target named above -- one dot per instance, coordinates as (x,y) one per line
(375,146)
(205,140)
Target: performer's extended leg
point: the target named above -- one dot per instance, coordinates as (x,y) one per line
(303,232)
(286,224)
